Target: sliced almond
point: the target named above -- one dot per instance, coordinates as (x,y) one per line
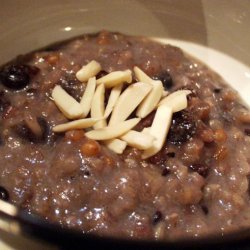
(178,103)
(77,124)
(88,71)
(159,130)
(165,93)
(151,101)
(116,145)
(111,132)
(97,106)
(142,76)
(128,101)
(114,78)
(114,95)
(168,100)
(88,96)
(66,103)
(138,139)
(146,130)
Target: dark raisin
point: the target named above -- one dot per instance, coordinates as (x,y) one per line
(17,76)
(171,154)
(204,209)
(165,172)
(44,127)
(26,133)
(182,129)
(4,195)
(201,169)
(217,90)
(72,86)
(157,217)
(158,159)
(86,173)
(247,131)
(165,78)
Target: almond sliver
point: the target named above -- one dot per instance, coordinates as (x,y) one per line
(77,124)
(138,139)
(142,76)
(88,96)
(159,130)
(146,130)
(151,101)
(114,95)
(111,132)
(66,103)
(115,78)
(169,98)
(88,71)
(178,103)
(97,106)
(128,101)
(116,145)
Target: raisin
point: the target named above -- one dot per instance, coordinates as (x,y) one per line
(4,195)
(204,209)
(157,217)
(86,173)
(165,78)
(217,90)
(165,172)
(247,131)
(45,128)
(182,129)
(158,159)
(71,85)
(23,131)
(171,154)
(200,169)
(17,76)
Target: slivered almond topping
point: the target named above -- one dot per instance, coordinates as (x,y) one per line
(66,103)
(97,108)
(114,95)
(151,101)
(165,93)
(171,97)
(114,131)
(87,97)
(146,130)
(114,78)
(142,76)
(128,101)
(77,124)
(143,97)
(138,139)
(178,103)
(116,145)
(88,71)
(159,129)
